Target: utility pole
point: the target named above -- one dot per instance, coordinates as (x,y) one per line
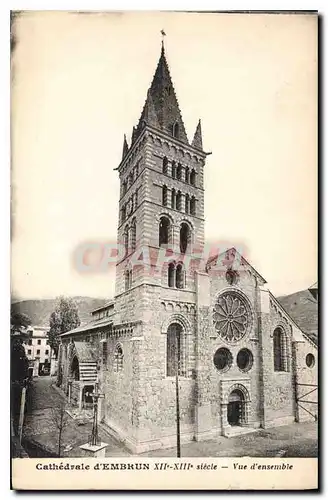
(177,368)
(70,381)
(22,411)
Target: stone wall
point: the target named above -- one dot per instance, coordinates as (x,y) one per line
(117,386)
(140,401)
(306,380)
(278,386)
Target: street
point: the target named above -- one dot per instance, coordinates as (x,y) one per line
(295,440)
(41,434)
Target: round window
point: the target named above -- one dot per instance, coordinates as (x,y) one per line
(231,317)
(245,360)
(222,359)
(310,360)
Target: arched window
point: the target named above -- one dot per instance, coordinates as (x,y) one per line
(175,351)
(171,272)
(185,237)
(128,279)
(126,239)
(164,231)
(133,234)
(187,175)
(175,130)
(173,199)
(164,196)
(179,201)
(123,213)
(165,164)
(187,203)
(280,351)
(136,199)
(193,205)
(193,177)
(130,179)
(104,353)
(179,172)
(174,170)
(118,359)
(180,276)
(125,187)
(75,369)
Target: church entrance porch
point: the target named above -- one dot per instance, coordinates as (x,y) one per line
(235,406)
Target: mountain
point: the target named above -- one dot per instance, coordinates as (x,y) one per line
(39,310)
(303,308)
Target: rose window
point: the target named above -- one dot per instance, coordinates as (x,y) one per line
(231,317)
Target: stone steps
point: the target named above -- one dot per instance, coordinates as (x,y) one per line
(238,430)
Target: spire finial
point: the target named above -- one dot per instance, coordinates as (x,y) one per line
(163,35)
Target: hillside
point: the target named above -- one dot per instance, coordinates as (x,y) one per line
(303,308)
(40,310)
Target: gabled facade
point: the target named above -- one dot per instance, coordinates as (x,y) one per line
(239,357)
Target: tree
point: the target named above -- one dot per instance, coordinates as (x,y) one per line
(64,318)
(19,322)
(19,362)
(59,418)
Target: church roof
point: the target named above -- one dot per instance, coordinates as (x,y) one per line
(230,256)
(90,326)
(84,352)
(303,308)
(161,109)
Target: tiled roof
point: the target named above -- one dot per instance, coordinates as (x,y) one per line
(89,326)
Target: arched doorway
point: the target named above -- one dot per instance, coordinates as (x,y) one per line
(86,396)
(236,407)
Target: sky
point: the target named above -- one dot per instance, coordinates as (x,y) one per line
(79,82)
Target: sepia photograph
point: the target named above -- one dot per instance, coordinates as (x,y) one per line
(164,247)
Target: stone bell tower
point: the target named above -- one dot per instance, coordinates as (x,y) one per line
(161,186)
(161,236)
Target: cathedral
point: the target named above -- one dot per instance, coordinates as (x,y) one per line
(206,325)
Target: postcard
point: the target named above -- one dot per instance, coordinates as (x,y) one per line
(164,315)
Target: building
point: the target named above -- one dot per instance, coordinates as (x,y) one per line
(241,359)
(314,291)
(38,350)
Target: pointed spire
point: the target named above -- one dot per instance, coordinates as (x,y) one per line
(150,115)
(197,141)
(134,135)
(125,147)
(162,109)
